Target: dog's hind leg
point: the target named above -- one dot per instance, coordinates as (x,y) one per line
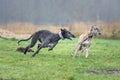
(76,51)
(81,50)
(73,52)
(40,45)
(44,44)
(36,52)
(33,42)
(87,53)
(52,46)
(29,46)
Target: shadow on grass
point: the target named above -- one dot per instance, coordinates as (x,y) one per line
(106,71)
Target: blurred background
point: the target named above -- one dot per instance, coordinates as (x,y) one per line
(19,18)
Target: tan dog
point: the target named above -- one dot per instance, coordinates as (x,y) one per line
(85,41)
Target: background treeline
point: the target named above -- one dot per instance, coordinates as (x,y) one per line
(56,12)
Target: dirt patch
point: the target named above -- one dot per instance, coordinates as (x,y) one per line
(21,49)
(5,33)
(9,34)
(107,71)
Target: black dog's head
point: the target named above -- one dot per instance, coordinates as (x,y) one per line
(67,34)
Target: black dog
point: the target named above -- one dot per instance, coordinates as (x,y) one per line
(47,39)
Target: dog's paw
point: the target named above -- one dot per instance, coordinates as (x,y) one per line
(72,54)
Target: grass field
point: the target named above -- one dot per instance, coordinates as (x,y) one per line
(58,64)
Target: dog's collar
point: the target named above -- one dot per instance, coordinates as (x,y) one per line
(60,35)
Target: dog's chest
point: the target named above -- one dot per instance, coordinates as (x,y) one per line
(51,44)
(86,42)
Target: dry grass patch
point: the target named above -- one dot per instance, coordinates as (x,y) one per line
(21,28)
(24,30)
(52,28)
(108,30)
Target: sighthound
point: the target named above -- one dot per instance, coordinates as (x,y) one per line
(85,41)
(47,39)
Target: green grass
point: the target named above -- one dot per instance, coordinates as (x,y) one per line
(58,64)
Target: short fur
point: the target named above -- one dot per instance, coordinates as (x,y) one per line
(47,39)
(85,41)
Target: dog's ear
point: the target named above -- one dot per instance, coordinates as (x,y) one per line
(62,29)
(92,27)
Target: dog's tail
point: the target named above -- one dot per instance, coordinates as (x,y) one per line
(25,39)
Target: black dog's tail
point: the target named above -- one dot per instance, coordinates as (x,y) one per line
(25,39)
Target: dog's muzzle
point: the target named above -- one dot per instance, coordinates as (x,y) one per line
(99,33)
(71,37)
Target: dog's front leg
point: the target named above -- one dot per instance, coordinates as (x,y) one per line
(52,46)
(76,51)
(81,51)
(73,52)
(87,53)
(36,52)
(44,44)
(40,45)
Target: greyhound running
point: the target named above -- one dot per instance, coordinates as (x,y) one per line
(85,41)
(47,39)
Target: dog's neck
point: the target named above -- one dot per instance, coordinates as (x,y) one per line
(60,35)
(90,35)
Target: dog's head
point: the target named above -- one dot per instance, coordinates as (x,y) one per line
(95,30)
(67,34)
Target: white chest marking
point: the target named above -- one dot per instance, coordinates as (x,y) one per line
(87,42)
